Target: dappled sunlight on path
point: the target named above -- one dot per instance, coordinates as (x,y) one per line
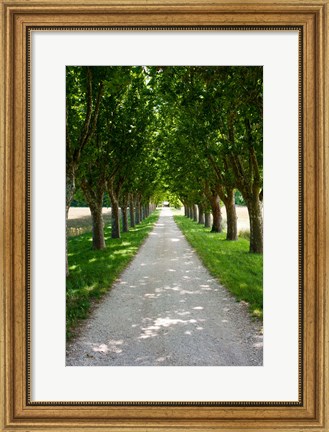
(166,309)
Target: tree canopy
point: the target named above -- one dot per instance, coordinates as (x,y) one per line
(142,134)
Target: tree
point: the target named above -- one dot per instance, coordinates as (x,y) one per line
(139,133)
(93,184)
(83,98)
(183,87)
(121,131)
(96,159)
(130,136)
(232,101)
(241,138)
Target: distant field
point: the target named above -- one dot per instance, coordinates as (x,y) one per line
(82,212)
(243,217)
(242,213)
(80,220)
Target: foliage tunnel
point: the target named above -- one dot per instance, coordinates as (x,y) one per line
(140,135)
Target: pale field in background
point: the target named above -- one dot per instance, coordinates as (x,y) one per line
(242,214)
(81,212)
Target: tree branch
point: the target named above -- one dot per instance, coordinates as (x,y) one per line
(91,117)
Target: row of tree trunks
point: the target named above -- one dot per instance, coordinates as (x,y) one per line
(212,196)
(204,218)
(200,214)
(142,212)
(96,206)
(94,193)
(189,212)
(146,209)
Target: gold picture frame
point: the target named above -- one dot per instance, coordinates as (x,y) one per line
(17,412)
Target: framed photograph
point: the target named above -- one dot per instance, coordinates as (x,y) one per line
(55,55)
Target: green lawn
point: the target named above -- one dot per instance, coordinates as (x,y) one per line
(92,272)
(230,262)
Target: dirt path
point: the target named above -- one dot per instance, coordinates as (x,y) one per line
(167,310)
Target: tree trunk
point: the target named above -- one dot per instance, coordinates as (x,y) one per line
(195,213)
(207,221)
(137,212)
(250,190)
(98,227)
(124,214)
(123,202)
(201,214)
(70,185)
(188,211)
(211,193)
(232,229)
(256,224)
(132,213)
(70,189)
(66,249)
(140,209)
(94,197)
(216,214)
(115,214)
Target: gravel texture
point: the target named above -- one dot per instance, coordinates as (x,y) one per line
(167,310)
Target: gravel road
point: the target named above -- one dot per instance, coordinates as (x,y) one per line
(167,310)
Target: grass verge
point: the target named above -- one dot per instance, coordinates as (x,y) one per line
(230,262)
(92,272)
